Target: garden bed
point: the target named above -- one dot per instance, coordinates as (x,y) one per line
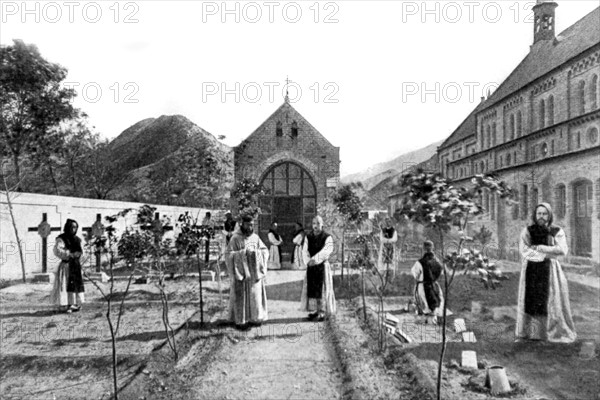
(536,369)
(46,353)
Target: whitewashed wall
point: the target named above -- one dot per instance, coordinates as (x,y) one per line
(28,209)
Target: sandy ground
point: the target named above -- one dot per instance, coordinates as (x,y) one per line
(288,357)
(46,354)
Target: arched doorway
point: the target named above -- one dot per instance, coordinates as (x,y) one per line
(583,203)
(290,196)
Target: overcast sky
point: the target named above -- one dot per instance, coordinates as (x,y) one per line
(376,78)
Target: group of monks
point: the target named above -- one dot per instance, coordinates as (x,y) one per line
(543,309)
(247,260)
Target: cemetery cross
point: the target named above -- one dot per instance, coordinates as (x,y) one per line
(44,229)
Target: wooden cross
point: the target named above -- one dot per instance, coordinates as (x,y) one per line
(44,229)
(96,230)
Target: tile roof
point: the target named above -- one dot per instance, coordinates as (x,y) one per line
(547,55)
(543,57)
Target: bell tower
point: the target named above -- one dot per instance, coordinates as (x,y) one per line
(544,20)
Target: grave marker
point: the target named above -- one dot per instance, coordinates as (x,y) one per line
(469,359)
(469,337)
(459,325)
(44,229)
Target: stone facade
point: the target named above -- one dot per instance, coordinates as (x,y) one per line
(263,149)
(296,164)
(540,133)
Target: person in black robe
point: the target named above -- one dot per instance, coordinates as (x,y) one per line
(68,249)
(428,293)
(229,227)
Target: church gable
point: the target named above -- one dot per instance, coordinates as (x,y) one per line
(286,130)
(287,137)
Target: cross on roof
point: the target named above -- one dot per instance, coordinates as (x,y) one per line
(287,83)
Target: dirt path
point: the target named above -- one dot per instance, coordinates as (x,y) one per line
(287,358)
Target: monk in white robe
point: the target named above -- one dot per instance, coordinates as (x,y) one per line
(429,298)
(317,289)
(246,257)
(298,254)
(544,311)
(274,253)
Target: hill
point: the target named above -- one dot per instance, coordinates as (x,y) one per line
(379,172)
(171,160)
(150,140)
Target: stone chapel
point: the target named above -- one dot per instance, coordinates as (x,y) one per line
(297,167)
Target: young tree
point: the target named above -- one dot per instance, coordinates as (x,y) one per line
(107,245)
(247,192)
(10,195)
(32,100)
(431,200)
(158,248)
(349,206)
(189,242)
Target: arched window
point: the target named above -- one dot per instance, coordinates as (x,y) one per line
(542,113)
(488,136)
(289,196)
(294,129)
(524,201)
(594,92)
(494,134)
(512,127)
(481,136)
(598,198)
(519,123)
(515,206)
(507,159)
(551,111)
(560,199)
(486,200)
(534,198)
(279,134)
(592,135)
(581,97)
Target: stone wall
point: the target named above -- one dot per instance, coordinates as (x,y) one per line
(28,209)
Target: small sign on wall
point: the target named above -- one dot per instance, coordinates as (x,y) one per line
(332,182)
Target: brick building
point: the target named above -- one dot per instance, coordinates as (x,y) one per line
(539,131)
(296,166)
